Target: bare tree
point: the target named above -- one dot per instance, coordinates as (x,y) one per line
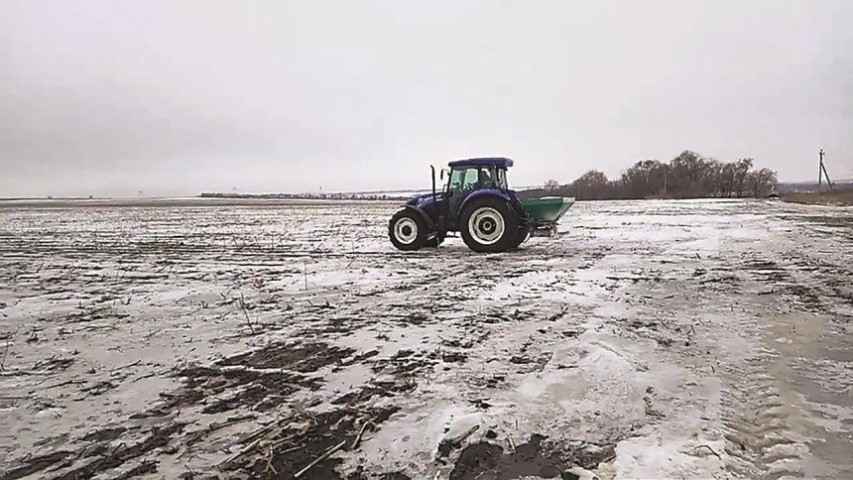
(644,179)
(761,182)
(592,185)
(742,168)
(689,175)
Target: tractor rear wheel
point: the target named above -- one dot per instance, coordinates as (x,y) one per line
(407,230)
(520,237)
(523,226)
(489,224)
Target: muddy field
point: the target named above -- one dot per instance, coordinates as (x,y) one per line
(272,340)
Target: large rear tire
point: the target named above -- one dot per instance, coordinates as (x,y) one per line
(407,230)
(523,226)
(520,237)
(489,224)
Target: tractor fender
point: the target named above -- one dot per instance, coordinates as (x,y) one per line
(430,223)
(490,192)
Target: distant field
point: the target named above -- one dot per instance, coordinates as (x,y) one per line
(815,198)
(175,202)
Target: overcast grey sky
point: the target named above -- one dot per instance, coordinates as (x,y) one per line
(178,97)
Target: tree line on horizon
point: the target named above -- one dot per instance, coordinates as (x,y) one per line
(304,196)
(689,175)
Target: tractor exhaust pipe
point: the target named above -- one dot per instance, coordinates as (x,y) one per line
(433,182)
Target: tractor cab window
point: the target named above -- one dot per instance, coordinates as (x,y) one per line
(501,179)
(455,182)
(486,178)
(463,179)
(470,180)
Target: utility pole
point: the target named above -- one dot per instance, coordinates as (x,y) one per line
(821,172)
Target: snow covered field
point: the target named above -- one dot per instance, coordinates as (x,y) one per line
(652,339)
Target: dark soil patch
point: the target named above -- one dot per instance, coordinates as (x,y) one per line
(104,435)
(416,318)
(99,313)
(257,380)
(807,296)
(35,464)
(572,333)
(487,461)
(761,264)
(148,466)
(360,358)
(494,380)
(403,363)
(454,357)
(767,271)
(520,360)
(336,325)
(250,389)
(381,389)
(305,358)
(298,444)
(359,474)
(99,388)
(395,476)
(158,438)
(724,279)
(54,364)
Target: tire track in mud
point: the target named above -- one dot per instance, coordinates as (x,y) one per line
(761,404)
(754,420)
(753,414)
(759,443)
(761,411)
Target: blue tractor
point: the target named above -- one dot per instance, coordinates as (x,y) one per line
(476,202)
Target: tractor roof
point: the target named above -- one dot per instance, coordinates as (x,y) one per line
(482,162)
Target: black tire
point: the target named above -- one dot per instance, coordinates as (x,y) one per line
(407,230)
(523,226)
(435,241)
(489,224)
(520,237)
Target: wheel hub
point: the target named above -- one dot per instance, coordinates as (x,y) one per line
(406,230)
(486,225)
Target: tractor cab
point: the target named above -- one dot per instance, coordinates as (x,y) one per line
(476,175)
(469,177)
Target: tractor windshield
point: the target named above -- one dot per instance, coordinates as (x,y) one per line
(463,179)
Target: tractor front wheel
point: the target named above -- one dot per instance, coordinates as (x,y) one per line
(489,224)
(407,230)
(435,241)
